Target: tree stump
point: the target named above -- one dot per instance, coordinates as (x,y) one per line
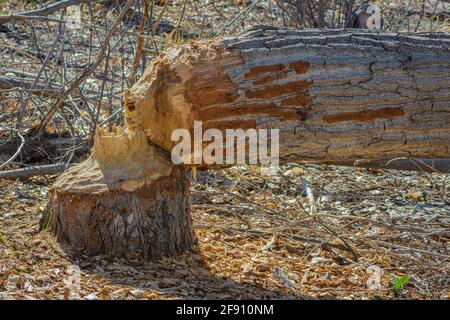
(127,200)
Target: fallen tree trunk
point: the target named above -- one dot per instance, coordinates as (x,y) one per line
(334,95)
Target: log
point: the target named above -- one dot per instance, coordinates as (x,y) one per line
(126,200)
(340,95)
(34,171)
(335,95)
(419,165)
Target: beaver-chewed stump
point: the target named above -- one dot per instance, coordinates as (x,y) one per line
(126,200)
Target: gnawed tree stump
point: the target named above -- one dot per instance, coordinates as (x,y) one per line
(126,200)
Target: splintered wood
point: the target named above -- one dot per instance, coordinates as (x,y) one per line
(126,200)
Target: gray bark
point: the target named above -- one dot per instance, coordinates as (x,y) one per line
(339,95)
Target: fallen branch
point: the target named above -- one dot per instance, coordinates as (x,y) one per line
(45,90)
(35,171)
(439,165)
(33,14)
(322,243)
(7,83)
(37,150)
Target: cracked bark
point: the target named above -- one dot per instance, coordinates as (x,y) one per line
(335,95)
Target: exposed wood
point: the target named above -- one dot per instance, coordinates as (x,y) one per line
(126,200)
(339,95)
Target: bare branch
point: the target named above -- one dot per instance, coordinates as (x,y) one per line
(33,14)
(86,72)
(34,171)
(15,155)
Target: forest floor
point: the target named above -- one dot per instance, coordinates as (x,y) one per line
(310,232)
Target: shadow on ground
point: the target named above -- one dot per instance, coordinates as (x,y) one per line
(187,276)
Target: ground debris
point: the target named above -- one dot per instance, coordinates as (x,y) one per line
(253,241)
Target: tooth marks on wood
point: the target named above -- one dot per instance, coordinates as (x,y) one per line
(127,199)
(130,106)
(211,85)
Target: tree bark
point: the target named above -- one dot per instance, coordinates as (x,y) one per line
(337,95)
(126,200)
(420,165)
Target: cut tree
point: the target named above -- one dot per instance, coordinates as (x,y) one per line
(335,95)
